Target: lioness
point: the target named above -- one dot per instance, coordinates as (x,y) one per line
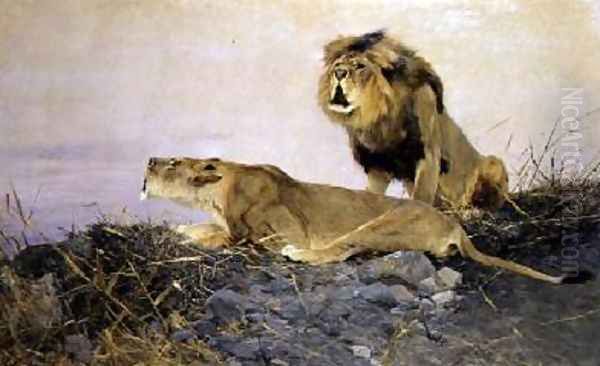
(320,223)
(391,103)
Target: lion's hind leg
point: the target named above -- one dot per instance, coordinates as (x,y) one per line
(210,236)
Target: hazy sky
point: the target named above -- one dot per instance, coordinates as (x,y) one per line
(89,89)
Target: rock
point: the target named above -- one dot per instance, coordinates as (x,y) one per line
(233,362)
(257,290)
(378,293)
(444,279)
(343,293)
(80,347)
(401,294)
(427,305)
(410,266)
(448,278)
(402,308)
(361,351)
(255,317)
(293,309)
(226,306)
(280,285)
(344,271)
(429,286)
(204,327)
(240,348)
(183,335)
(443,297)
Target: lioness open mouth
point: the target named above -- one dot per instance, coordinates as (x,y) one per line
(144,191)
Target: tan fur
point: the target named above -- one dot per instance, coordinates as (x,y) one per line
(385,84)
(319,223)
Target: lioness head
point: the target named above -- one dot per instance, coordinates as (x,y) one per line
(362,77)
(187,181)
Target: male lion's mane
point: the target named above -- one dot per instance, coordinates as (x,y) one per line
(398,123)
(386,119)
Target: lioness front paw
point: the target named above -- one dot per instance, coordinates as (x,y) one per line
(291,252)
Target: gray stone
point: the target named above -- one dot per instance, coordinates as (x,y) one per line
(443,297)
(203,327)
(401,309)
(361,351)
(241,349)
(233,362)
(429,286)
(343,293)
(226,306)
(427,305)
(401,294)
(280,285)
(410,266)
(377,293)
(183,335)
(80,347)
(448,278)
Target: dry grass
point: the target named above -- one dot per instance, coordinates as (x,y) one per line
(119,288)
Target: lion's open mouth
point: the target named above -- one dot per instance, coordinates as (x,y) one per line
(339,98)
(339,103)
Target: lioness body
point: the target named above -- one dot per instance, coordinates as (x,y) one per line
(391,103)
(319,223)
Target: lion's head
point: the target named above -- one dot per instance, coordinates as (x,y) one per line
(187,181)
(367,77)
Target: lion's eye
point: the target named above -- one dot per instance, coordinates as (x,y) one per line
(360,66)
(210,167)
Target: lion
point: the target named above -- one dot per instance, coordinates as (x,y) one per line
(391,103)
(317,223)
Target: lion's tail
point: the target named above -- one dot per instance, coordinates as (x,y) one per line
(467,249)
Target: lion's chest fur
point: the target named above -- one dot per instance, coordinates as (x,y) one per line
(392,145)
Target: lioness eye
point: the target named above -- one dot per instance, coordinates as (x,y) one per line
(210,167)
(360,66)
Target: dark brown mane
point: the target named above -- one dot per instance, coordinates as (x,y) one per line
(366,41)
